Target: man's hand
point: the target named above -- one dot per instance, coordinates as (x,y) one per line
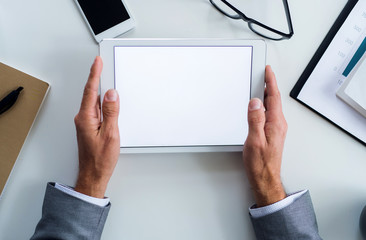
(263,148)
(98,142)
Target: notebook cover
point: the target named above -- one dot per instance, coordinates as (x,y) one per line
(16,123)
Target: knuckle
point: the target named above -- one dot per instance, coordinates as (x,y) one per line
(277,94)
(79,122)
(282,125)
(285,126)
(257,145)
(256,119)
(283,132)
(110,111)
(77,119)
(254,144)
(278,128)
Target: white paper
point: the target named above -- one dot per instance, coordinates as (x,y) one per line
(353,89)
(183,96)
(356,89)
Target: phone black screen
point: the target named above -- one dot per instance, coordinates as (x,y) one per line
(103,14)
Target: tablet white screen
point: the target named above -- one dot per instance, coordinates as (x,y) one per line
(183,96)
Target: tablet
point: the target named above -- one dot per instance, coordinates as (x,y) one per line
(183,95)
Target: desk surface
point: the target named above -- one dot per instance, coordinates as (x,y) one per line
(173,196)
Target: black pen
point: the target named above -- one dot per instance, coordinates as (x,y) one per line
(7,102)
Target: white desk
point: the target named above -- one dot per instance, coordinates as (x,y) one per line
(173,196)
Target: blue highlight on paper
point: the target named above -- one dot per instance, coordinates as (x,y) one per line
(358,55)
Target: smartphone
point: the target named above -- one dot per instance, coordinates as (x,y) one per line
(106,18)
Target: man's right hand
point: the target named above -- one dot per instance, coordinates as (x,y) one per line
(98,142)
(263,148)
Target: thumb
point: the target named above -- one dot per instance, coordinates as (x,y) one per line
(256,118)
(110,109)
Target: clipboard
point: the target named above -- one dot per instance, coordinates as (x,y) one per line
(329,68)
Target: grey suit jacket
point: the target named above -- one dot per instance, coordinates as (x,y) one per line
(67,217)
(296,221)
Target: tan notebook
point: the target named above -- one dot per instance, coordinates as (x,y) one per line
(16,123)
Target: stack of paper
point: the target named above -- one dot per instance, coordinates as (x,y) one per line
(353,90)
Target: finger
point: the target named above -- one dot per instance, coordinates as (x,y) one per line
(276,125)
(256,119)
(110,109)
(90,96)
(272,101)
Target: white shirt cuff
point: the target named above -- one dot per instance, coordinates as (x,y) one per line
(267,210)
(102,202)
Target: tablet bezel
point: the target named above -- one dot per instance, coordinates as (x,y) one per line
(106,51)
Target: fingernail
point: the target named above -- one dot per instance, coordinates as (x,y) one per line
(111,95)
(255,104)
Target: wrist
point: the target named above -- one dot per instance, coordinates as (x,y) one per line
(268,193)
(91,186)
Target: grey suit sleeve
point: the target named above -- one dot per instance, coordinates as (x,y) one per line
(67,217)
(296,221)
